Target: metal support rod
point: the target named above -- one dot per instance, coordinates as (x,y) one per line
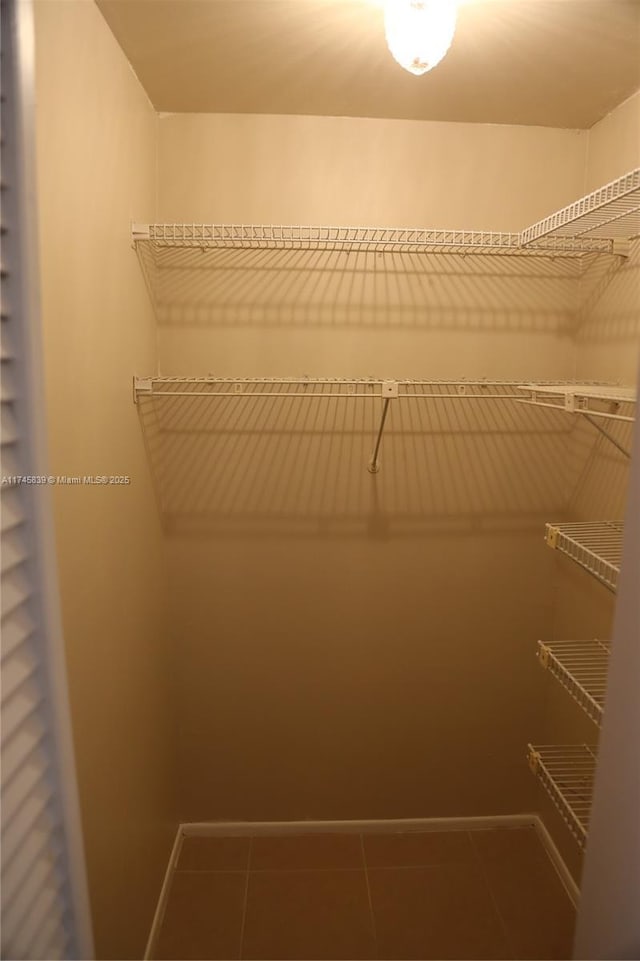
(374,466)
(623,450)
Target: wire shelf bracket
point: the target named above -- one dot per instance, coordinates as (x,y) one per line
(586,399)
(567,774)
(581,398)
(604,402)
(596,547)
(581,668)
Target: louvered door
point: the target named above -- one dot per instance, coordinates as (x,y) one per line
(44,897)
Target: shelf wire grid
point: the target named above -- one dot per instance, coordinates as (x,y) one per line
(325,388)
(612,211)
(357,239)
(581,667)
(594,546)
(591,224)
(567,773)
(322,388)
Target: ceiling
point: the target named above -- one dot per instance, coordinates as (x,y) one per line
(557,63)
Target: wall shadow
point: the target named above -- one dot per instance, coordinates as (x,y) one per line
(609,312)
(302,288)
(263,465)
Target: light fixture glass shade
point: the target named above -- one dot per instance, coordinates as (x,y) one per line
(419,32)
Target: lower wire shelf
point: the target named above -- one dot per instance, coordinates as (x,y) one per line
(567,773)
(581,667)
(594,546)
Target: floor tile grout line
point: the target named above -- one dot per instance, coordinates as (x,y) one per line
(246,898)
(369,898)
(485,874)
(332,867)
(418,866)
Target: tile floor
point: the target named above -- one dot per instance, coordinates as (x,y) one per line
(481,894)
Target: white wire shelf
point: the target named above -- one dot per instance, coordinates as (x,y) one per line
(596,547)
(582,399)
(319,388)
(358,239)
(581,667)
(611,212)
(567,774)
(595,223)
(334,387)
(184,394)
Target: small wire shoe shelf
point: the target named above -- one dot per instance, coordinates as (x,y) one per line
(596,547)
(581,667)
(567,774)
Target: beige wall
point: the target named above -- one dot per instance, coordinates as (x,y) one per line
(358,646)
(614,144)
(608,328)
(241,168)
(96,139)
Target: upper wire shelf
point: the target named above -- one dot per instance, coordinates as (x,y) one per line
(611,212)
(595,223)
(358,239)
(596,547)
(581,667)
(567,773)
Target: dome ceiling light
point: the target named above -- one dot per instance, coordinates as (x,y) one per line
(419,32)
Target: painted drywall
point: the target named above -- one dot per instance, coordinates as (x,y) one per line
(358,645)
(608,329)
(614,144)
(96,137)
(240,168)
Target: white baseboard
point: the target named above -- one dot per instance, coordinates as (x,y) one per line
(164,893)
(386,826)
(558,861)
